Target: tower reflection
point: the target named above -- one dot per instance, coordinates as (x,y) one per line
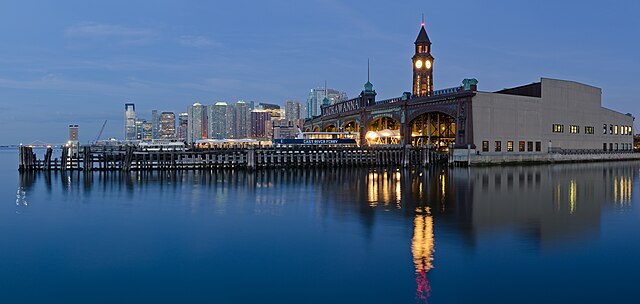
(422,248)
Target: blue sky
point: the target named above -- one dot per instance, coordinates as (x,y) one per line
(65,62)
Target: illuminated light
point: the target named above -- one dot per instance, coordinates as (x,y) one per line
(427,64)
(372,135)
(572,196)
(418,64)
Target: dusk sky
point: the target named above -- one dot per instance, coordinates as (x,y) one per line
(65,62)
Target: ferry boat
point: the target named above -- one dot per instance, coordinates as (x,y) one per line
(162,146)
(320,138)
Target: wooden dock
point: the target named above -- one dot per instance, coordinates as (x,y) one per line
(129,157)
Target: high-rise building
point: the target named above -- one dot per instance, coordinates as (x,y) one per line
(139,122)
(183,124)
(198,127)
(155,121)
(167,125)
(292,110)
(274,109)
(221,120)
(147,131)
(260,122)
(242,127)
(73,133)
(317,96)
(129,121)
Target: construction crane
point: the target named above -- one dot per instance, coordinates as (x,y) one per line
(100,133)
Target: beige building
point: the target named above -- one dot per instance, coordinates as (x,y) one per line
(550,115)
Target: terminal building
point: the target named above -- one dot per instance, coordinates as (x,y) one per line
(549,116)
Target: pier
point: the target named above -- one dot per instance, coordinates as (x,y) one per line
(130,157)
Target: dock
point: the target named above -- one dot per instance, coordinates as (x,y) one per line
(132,158)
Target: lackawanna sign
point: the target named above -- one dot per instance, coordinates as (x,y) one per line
(341,107)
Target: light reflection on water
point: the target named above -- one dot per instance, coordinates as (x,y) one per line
(546,204)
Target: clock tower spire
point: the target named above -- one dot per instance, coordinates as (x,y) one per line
(422,62)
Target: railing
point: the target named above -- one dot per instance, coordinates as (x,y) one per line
(386,101)
(447,91)
(587,151)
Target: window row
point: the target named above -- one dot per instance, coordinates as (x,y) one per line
(523,146)
(616,147)
(611,129)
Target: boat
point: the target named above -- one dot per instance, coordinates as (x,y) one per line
(320,138)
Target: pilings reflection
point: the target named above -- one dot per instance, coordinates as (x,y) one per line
(551,202)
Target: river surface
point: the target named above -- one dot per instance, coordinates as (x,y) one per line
(565,233)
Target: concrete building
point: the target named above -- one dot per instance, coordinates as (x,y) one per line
(198,127)
(167,125)
(548,116)
(139,122)
(73,133)
(129,121)
(273,109)
(183,125)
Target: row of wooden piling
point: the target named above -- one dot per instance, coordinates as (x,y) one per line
(129,157)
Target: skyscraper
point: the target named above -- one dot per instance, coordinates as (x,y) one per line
(222,120)
(167,125)
(259,121)
(292,110)
(183,124)
(147,131)
(129,121)
(316,97)
(139,123)
(155,121)
(197,128)
(242,127)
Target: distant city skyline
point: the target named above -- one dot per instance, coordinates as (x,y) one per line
(69,63)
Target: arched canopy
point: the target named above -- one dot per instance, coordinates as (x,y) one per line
(433,129)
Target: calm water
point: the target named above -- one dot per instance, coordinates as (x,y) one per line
(564,233)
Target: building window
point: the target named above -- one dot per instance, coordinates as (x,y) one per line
(485,146)
(604,129)
(558,128)
(610,129)
(604,147)
(510,146)
(574,129)
(588,130)
(530,146)
(615,129)
(521,146)
(538,146)
(610,147)
(498,146)
(616,146)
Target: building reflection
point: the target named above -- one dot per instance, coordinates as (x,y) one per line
(547,204)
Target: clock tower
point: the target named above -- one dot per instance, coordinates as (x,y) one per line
(422,62)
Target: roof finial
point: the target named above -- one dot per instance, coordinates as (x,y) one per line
(423,19)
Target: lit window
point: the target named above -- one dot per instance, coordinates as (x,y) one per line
(510,146)
(521,146)
(498,146)
(604,129)
(558,128)
(485,146)
(615,130)
(530,146)
(588,130)
(574,129)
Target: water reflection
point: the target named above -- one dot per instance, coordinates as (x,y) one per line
(548,205)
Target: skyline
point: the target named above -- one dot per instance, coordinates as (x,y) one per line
(168,56)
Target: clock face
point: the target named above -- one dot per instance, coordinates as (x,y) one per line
(427,64)
(419,63)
